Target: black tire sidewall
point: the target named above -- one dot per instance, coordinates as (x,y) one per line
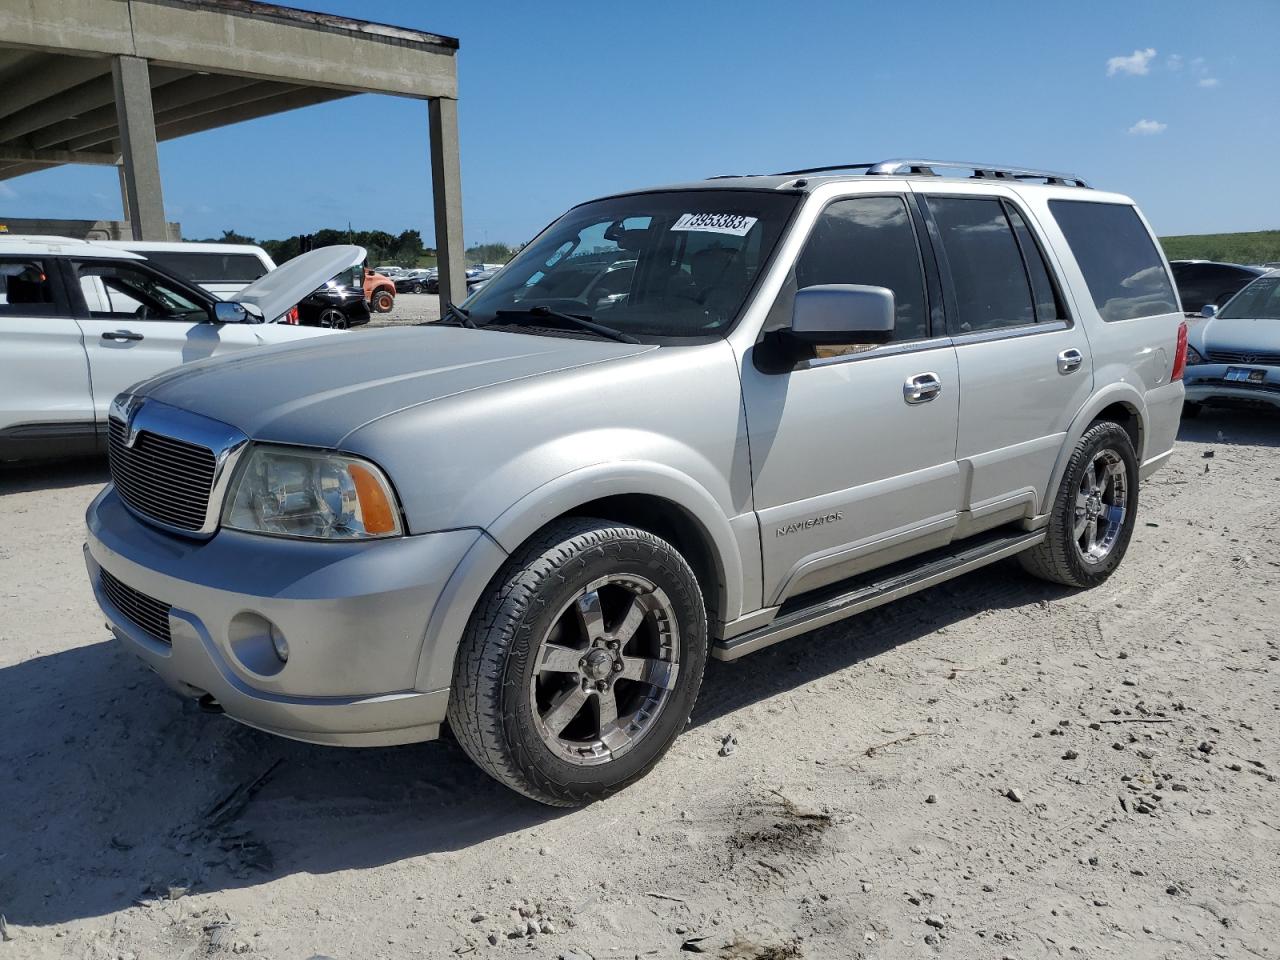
(550,596)
(1102,436)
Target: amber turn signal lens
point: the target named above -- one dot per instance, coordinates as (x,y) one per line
(377,513)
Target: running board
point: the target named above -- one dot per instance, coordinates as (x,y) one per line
(880,588)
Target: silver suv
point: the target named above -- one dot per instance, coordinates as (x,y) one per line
(684,422)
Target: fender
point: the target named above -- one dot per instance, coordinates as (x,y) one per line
(542,505)
(1112,393)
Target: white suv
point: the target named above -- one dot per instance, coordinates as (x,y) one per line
(224,269)
(80,322)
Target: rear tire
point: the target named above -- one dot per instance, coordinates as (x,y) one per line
(1094,513)
(383,301)
(416,288)
(333,319)
(581,663)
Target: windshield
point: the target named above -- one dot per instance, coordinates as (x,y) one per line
(1260,300)
(677,264)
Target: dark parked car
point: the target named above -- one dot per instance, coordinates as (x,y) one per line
(339,304)
(1202,282)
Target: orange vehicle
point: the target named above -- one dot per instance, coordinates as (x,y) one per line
(379,291)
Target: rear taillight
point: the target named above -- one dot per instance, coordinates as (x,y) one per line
(292,316)
(1180,353)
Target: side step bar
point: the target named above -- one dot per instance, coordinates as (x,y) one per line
(929,571)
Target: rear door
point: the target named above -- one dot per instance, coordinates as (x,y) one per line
(1024,363)
(851,467)
(44,372)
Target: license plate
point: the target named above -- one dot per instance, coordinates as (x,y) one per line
(1246,374)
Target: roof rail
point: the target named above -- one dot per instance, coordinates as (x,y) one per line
(926,168)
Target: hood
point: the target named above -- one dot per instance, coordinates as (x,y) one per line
(316,392)
(278,290)
(1242,335)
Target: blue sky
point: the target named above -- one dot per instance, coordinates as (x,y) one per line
(1171,101)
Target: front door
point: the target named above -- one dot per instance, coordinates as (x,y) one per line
(1025,366)
(853,452)
(44,373)
(138,323)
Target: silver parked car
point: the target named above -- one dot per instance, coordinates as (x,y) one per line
(804,395)
(1233,356)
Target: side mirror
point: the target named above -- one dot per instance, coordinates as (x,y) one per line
(227,311)
(1209,311)
(843,313)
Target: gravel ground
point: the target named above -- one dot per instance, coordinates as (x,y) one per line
(409,308)
(995,768)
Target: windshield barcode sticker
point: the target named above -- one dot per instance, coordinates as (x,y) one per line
(731,223)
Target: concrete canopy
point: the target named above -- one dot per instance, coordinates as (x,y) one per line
(101,81)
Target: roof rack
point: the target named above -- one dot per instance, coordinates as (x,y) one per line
(926,168)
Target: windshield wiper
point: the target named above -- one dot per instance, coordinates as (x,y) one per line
(460,316)
(585,323)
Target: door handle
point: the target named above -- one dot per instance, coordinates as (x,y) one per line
(1069,360)
(921,388)
(121,335)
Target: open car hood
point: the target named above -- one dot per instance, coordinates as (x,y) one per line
(288,284)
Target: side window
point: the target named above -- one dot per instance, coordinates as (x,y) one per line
(209,267)
(26,289)
(125,291)
(869,240)
(991,286)
(1049,306)
(1121,266)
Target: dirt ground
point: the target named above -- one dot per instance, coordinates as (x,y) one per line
(996,768)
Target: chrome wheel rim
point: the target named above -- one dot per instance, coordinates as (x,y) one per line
(605,669)
(1102,503)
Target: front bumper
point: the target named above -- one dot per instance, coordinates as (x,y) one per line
(354,616)
(1207,383)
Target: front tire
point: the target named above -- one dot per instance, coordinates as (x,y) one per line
(1094,513)
(383,301)
(581,663)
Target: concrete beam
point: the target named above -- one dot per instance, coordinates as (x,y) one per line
(48,78)
(53,157)
(145,199)
(60,129)
(446,189)
(305,97)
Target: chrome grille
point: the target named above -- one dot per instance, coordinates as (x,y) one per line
(1261,358)
(148,614)
(162,477)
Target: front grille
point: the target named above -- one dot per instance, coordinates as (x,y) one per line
(162,477)
(1262,359)
(148,614)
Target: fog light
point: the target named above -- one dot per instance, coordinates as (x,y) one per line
(279,644)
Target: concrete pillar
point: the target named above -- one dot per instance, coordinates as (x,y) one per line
(446,185)
(144,200)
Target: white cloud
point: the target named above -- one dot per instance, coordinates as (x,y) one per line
(1148,128)
(1208,81)
(1138,63)
(1174,61)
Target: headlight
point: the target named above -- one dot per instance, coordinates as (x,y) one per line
(1193,356)
(289,492)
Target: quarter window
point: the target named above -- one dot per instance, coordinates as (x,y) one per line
(992,289)
(25,289)
(1124,272)
(869,240)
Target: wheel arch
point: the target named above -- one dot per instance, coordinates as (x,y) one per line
(649,496)
(1119,403)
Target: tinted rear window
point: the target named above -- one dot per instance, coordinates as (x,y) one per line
(208,267)
(1125,274)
